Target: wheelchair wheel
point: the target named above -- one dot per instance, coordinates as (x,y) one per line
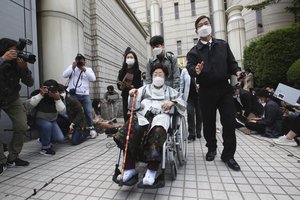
(173,170)
(181,142)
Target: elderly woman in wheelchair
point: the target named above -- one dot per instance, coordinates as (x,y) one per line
(149,127)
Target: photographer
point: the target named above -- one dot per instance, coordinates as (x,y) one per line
(12,70)
(111,97)
(78,86)
(47,104)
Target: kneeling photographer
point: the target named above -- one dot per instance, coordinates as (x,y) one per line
(13,68)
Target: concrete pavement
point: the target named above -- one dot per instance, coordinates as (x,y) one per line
(85,172)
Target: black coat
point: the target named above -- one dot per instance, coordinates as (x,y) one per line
(136,81)
(272,119)
(219,63)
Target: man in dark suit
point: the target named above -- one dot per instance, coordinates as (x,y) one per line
(212,62)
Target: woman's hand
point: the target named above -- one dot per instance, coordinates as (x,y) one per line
(167,105)
(133,92)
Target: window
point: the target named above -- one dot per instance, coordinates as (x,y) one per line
(193,7)
(195,41)
(179,49)
(259,22)
(176,10)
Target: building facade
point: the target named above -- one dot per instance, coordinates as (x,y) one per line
(231,21)
(99,29)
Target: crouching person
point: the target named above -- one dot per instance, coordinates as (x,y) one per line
(78,128)
(149,126)
(47,104)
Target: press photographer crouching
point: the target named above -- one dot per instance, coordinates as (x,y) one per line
(47,104)
(13,68)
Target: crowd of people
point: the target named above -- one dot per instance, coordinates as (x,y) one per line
(260,112)
(202,88)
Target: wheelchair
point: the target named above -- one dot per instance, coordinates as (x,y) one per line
(174,153)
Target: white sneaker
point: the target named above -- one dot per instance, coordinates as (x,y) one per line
(283,140)
(93,134)
(149,177)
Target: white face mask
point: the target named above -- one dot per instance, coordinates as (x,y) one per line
(63,95)
(158,81)
(204,31)
(262,102)
(157,51)
(130,61)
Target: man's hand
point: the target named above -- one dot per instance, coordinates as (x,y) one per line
(167,105)
(74,65)
(54,95)
(43,90)
(133,92)
(22,64)
(83,68)
(10,55)
(199,67)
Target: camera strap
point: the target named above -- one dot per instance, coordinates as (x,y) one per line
(78,80)
(68,81)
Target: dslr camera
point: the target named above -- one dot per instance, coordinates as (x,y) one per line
(51,88)
(26,56)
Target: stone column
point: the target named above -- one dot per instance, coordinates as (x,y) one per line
(155,18)
(219,20)
(61,36)
(236,33)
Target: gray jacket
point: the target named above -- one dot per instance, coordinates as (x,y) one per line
(169,61)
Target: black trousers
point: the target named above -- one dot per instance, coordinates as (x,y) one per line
(194,111)
(260,128)
(125,107)
(210,100)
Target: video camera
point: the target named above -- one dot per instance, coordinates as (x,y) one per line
(26,56)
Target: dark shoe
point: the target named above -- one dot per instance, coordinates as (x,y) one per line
(47,152)
(210,156)
(198,135)
(231,163)
(191,138)
(17,162)
(2,168)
